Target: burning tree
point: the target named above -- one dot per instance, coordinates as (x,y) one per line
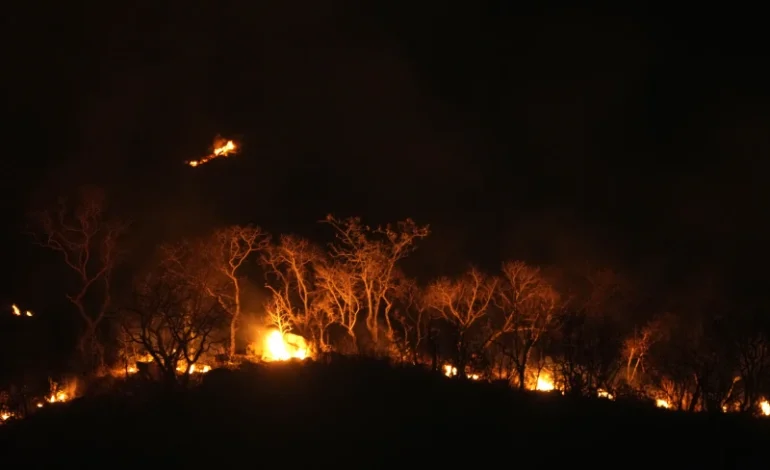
(173,317)
(462,303)
(529,306)
(227,250)
(88,242)
(370,255)
(291,271)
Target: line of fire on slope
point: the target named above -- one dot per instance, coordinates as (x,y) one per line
(277,346)
(271,347)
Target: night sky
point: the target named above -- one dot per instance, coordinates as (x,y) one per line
(636,139)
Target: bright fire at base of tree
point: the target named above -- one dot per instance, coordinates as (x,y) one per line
(283,347)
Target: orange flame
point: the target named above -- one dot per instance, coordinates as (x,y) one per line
(222,148)
(278,349)
(17,311)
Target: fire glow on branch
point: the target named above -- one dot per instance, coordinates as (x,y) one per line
(222,148)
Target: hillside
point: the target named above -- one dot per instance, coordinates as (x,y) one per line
(363,414)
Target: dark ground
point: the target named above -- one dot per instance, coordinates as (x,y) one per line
(364,415)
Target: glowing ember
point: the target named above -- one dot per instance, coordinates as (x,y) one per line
(28,313)
(5,416)
(39,405)
(661,403)
(450,371)
(764,405)
(605,394)
(222,148)
(278,349)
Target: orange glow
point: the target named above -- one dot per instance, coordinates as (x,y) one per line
(222,148)
(604,394)
(278,349)
(544,384)
(17,311)
(195,369)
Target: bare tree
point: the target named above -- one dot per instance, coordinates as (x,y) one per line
(291,278)
(638,346)
(529,305)
(229,248)
(173,317)
(89,244)
(412,319)
(371,254)
(462,303)
(340,301)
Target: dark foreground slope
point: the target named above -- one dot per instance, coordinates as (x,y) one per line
(364,415)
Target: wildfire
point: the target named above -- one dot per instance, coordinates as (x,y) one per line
(601,393)
(222,148)
(764,405)
(17,311)
(58,397)
(661,403)
(278,349)
(450,371)
(195,369)
(544,384)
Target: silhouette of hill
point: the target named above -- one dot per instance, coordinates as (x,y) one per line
(363,414)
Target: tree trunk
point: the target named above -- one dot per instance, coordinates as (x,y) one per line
(234,320)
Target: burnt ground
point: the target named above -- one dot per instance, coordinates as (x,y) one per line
(368,415)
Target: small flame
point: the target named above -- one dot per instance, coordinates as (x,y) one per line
(222,148)
(661,403)
(16,310)
(5,416)
(28,313)
(58,397)
(450,371)
(601,393)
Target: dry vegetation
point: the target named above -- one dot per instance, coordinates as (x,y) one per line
(579,334)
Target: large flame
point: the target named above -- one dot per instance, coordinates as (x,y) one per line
(278,349)
(222,148)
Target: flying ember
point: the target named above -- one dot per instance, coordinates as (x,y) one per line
(222,148)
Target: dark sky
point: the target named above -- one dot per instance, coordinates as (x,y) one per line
(637,138)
